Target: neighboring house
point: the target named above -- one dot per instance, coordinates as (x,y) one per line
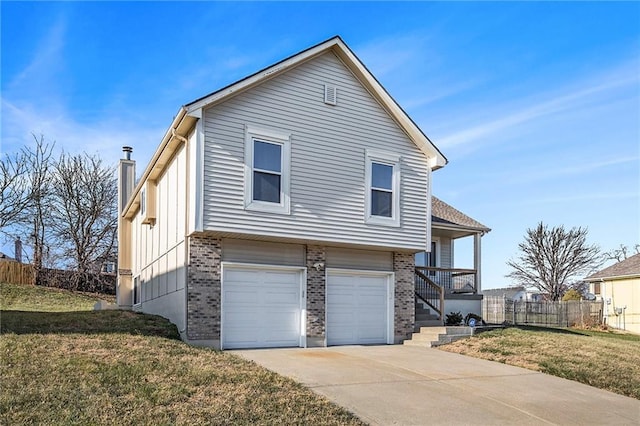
(286,210)
(619,287)
(517,293)
(6,258)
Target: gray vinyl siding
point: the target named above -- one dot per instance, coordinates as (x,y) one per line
(328,146)
(262,252)
(445,253)
(338,257)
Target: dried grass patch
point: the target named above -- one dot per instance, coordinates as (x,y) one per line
(605,360)
(117,367)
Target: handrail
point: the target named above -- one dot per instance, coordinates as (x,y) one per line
(429,292)
(453,270)
(450,279)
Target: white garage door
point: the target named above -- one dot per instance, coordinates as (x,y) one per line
(260,307)
(359,308)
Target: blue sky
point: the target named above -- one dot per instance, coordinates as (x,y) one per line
(536,105)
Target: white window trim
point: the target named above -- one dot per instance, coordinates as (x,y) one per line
(276,137)
(372,156)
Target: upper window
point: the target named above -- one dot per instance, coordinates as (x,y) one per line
(267,164)
(267,171)
(383,188)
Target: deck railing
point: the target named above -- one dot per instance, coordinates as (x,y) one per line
(451,280)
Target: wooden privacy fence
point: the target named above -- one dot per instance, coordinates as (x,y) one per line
(16,273)
(500,310)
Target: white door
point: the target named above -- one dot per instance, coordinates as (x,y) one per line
(359,308)
(261,307)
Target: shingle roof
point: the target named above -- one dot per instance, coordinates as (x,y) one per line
(442,212)
(629,266)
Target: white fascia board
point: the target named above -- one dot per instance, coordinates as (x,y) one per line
(182,112)
(437,160)
(261,76)
(613,278)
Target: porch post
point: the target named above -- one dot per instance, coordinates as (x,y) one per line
(476,259)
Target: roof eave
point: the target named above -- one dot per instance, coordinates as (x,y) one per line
(436,159)
(456,227)
(180,125)
(612,278)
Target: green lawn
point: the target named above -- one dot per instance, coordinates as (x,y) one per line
(605,360)
(64,364)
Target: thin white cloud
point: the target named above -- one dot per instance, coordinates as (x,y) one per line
(553,103)
(382,56)
(591,196)
(104,137)
(578,168)
(46,61)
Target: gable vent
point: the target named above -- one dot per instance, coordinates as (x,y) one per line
(330,94)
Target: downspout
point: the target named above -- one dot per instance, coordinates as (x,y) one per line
(183,332)
(174,134)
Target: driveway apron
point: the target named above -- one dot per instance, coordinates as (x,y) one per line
(404,385)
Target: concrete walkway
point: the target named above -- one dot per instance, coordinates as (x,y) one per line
(404,385)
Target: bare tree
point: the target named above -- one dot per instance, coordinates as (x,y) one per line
(621,253)
(36,220)
(85,211)
(551,259)
(16,193)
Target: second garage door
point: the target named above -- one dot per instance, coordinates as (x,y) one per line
(359,308)
(261,307)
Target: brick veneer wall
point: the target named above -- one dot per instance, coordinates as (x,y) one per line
(315,292)
(404,267)
(203,288)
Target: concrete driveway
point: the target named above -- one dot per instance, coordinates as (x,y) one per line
(406,385)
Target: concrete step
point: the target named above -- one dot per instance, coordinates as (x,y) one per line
(436,336)
(445,338)
(427,324)
(425,337)
(423,344)
(431,329)
(426,317)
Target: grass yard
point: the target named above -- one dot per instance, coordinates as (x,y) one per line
(64,364)
(609,361)
(15,297)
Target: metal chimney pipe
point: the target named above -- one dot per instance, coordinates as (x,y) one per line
(18,250)
(127,152)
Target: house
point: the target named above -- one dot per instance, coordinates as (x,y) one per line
(619,287)
(517,293)
(440,287)
(286,209)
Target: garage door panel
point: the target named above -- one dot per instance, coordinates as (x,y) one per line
(357,308)
(261,308)
(281,277)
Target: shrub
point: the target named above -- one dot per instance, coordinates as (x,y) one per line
(572,294)
(454,318)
